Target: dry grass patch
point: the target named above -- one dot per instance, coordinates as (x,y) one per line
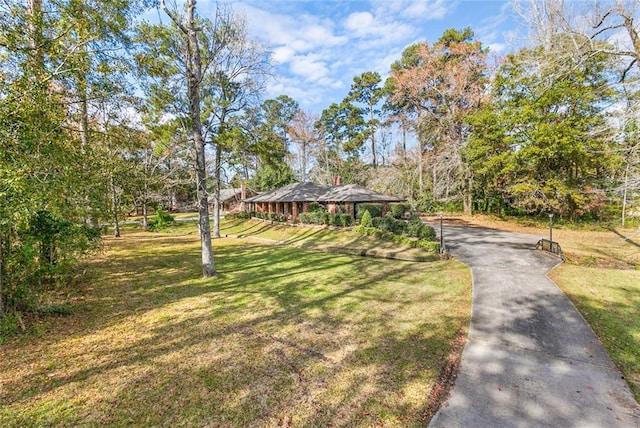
(282,337)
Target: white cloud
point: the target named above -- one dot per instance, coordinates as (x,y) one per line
(298,34)
(497,47)
(311,67)
(282,54)
(377,30)
(419,10)
(359,22)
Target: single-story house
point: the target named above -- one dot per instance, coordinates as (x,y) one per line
(293,199)
(231,200)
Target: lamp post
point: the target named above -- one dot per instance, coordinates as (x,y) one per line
(550,227)
(441,236)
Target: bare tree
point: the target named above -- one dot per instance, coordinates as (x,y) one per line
(590,23)
(304,137)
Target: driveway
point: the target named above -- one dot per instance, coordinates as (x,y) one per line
(530,358)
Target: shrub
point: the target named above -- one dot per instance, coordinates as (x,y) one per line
(426,233)
(343,220)
(314,206)
(242,215)
(375,210)
(9,325)
(390,224)
(398,210)
(366,219)
(160,220)
(306,218)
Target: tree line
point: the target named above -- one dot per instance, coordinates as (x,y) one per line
(103,113)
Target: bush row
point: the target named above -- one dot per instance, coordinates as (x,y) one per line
(400,231)
(325,217)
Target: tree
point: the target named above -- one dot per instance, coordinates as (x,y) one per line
(588,24)
(304,137)
(233,83)
(182,56)
(342,133)
(544,144)
(43,187)
(597,28)
(442,85)
(366,90)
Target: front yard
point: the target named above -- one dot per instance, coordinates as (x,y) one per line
(283,337)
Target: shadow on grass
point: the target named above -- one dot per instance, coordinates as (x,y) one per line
(281,337)
(626,239)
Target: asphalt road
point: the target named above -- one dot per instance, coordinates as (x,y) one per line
(530,359)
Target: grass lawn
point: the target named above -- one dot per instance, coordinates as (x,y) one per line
(283,337)
(324,239)
(602,278)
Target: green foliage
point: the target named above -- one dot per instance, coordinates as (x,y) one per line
(543,145)
(161,220)
(9,325)
(417,229)
(42,253)
(390,224)
(325,217)
(413,232)
(366,219)
(271,176)
(57,310)
(375,210)
(314,206)
(398,210)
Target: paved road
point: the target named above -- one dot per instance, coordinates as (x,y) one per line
(530,358)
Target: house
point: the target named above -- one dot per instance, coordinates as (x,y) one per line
(293,199)
(231,199)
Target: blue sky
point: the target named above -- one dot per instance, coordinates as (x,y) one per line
(320,46)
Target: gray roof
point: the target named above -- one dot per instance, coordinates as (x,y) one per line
(309,192)
(226,195)
(355,193)
(296,192)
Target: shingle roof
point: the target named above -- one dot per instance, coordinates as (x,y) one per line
(309,192)
(227,194)
(296,192)
(354,193)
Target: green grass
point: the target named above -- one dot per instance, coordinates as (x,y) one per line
(283,337)
(323,238)
(609,299)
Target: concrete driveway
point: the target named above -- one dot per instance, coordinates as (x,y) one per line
(530,359)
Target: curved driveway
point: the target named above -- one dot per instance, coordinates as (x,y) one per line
(530,358)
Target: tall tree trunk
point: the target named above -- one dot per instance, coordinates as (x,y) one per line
(194,77)
(216,190)
(304,161)
(467,192)
(624,192)
(114,207)
(145,207)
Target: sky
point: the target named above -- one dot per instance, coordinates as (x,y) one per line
(319,46)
